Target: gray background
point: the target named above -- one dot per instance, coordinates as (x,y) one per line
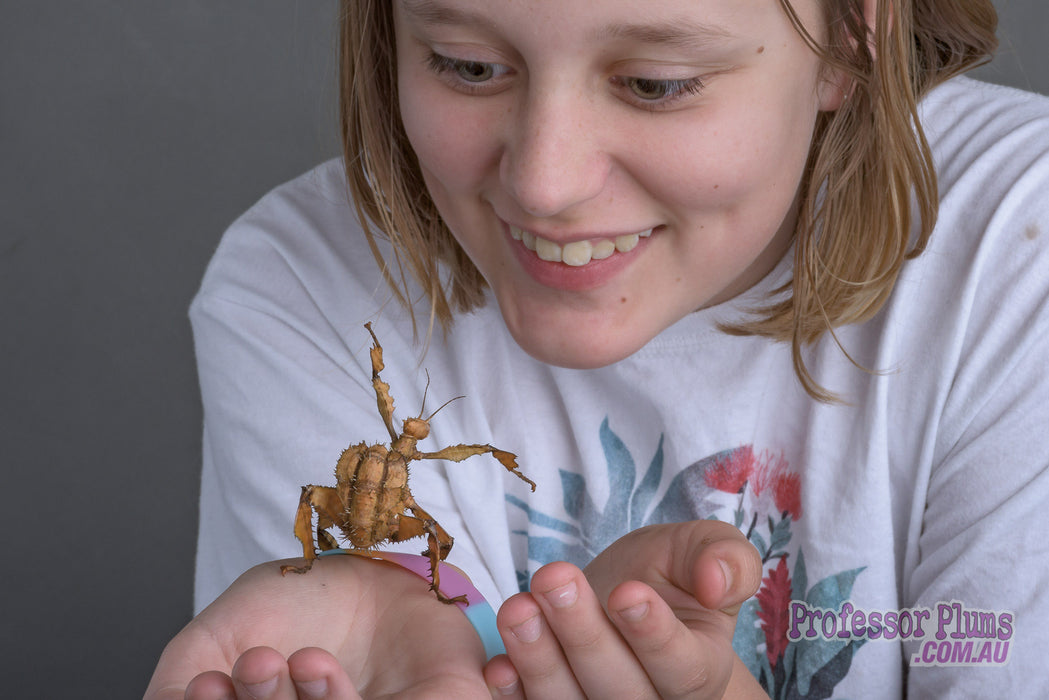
(132,132)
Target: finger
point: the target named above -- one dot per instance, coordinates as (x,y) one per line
(210,685)
(317,675)
(180,673)
(680,661)
(502,679)
(534,650)
(588,639)
(704,560)
(261,673)
(726,573)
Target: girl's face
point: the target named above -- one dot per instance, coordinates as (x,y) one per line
(610,165)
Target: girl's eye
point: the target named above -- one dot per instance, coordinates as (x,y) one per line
(655,93)
(475,72)
(471,73)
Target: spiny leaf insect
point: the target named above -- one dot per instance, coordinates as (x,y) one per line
(371,500)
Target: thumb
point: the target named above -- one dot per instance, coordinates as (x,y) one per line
(724,569)
(708,561)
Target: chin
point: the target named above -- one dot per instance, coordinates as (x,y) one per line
(581,330)
(578,349)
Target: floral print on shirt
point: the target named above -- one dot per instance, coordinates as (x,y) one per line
(761,495)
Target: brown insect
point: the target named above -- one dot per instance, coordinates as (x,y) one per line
(371,499)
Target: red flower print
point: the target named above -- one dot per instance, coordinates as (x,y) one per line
(731,470)
(767,467)
(774,606)
(786,492)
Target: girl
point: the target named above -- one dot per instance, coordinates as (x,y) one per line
(753,289)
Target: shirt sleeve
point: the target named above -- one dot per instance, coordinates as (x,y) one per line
(983,551)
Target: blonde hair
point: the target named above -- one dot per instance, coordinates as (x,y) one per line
(856,225)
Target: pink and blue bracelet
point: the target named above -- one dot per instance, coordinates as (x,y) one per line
(476,608)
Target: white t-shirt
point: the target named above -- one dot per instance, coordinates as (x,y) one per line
(915,511)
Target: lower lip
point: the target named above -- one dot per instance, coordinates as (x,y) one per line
(558,275)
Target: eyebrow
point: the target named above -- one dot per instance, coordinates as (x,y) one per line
(431,12)
(681,33)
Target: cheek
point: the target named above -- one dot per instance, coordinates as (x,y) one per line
(723,168)
(449,141)
(735,155)
(455,160)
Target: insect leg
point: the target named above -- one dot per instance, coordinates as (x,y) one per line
(324,500)
(438,545)
(382,389)
(457,453)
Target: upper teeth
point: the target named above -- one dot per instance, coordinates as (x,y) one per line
(578,253)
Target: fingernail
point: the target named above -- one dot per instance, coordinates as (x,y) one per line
(635,612)
(263,690)
(562,596)
(527,631)
(507,689)
(313,689)
(727,571)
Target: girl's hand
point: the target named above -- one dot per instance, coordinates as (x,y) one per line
(349,628)
(651,616)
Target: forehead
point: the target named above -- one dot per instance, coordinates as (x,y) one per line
(641,21)
(673,23)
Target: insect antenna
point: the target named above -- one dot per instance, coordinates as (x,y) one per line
(455,398)
(426,390)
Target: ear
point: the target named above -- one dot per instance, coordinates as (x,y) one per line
(836,84)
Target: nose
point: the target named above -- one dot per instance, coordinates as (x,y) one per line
(553,158)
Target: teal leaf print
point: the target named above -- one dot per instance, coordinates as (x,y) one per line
(542,520)
(552,549)
(780,534)
(832,591)
(646,490)
(687,497)
(748,636)
(578,503)
(592,529)
(821,684)
(759,542)
(813,654)
(620,479)
(801,579)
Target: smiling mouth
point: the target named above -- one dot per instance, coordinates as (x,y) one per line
(578,253)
